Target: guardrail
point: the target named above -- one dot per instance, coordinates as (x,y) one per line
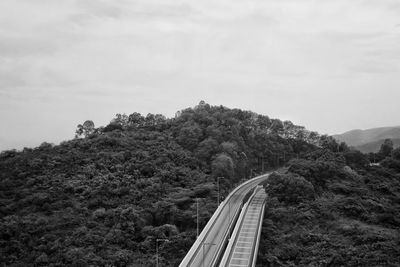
(225,258)
(221,249)
(194,250)
(257,244)
(251,257)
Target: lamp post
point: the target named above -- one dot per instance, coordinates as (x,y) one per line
(262,164)
(229,204)
(218,188)
(197,216)
(206,244)
(159,240)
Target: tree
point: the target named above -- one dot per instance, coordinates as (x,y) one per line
(223,165)
(276,127)
(85,129)
(328,142)
(206,149)
(289,188)
(263,121)
(112,127)
(355,158)
(343,147)
(396,153)
(386,148)
(121,119)
(135,119)
(312,137)
(150,120)
(189,135)
(201,104)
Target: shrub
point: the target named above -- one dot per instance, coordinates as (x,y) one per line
(391,163)
(289,188)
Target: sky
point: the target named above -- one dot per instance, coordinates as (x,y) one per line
(329,65)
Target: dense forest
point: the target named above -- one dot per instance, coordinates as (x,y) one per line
(105,197)
(334,209)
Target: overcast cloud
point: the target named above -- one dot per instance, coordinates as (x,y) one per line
(330,65)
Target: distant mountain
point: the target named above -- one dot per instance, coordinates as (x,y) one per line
(370,140)
(376,145)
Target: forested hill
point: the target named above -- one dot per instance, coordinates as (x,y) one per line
(334,209)
(370,140)
(103,198)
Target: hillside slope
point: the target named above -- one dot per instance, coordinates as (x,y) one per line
(376,145)
(104,199)
(368,140)
(324,213)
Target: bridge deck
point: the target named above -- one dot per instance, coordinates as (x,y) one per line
(244,242)
(209,246)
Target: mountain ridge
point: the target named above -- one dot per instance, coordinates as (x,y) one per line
(369,140)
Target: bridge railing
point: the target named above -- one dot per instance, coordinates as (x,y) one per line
(194,250)
(236,233)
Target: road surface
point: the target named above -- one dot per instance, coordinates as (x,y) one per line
(211,241)
(243,248)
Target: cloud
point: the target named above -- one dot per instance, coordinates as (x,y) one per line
(93,58)
(101,8)
(373,67)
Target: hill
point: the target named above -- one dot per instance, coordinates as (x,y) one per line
(369,140)
(376,145)
(103,198)
(333,209)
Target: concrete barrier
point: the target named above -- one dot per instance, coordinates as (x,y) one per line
(203,235)
(236,233)
(260,223)
(225,258)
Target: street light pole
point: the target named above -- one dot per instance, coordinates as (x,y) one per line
(229,203)
(262,164)
(204,244)
(218,188)
(159,240)
(197,217)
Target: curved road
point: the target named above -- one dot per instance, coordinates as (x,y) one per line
(212,239)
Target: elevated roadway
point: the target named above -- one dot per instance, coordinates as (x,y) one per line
(209,247)
(243,246)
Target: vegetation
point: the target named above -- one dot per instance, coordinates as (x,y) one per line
(103,198)
(370,140)
(337,211)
